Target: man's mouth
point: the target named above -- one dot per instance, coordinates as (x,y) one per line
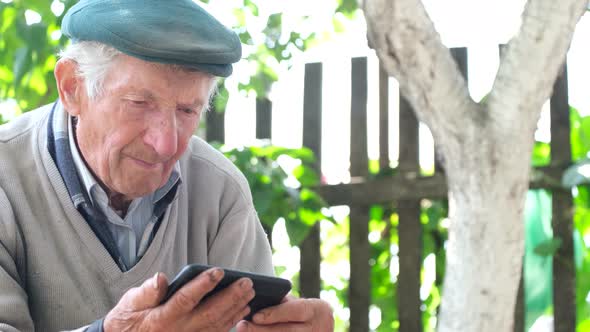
(146,164)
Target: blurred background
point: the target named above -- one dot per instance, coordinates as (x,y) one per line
(289,117)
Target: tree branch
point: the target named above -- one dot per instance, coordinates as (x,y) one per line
(532,60)
(410,49)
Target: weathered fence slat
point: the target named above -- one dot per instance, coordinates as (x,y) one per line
(263,131)
(564,285)
(360,271)
(309,275)
(409,228)
(215,122)
(263,118)
(460,56)
(519,309)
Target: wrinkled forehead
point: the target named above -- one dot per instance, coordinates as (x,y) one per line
(130,70)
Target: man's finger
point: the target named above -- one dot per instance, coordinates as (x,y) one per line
(229,305)
(298,310)
(191,294)
(245,326)
(149,294)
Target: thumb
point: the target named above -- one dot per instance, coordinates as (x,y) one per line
(149,294)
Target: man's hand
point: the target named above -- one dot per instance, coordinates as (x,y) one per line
(292,315)
(139,309)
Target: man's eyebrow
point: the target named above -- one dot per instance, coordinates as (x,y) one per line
(141,93)
(151,96)
(198,103)
(148,94)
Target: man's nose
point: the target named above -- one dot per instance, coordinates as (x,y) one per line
(162,136)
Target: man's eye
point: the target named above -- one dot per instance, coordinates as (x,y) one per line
(138,102)
(187,110)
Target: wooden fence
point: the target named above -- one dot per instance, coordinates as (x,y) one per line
(406,190)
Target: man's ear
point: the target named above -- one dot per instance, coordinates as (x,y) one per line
(69,86)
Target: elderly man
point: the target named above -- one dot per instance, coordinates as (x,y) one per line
(106,191)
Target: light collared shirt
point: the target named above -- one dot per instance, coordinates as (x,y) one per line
(134,232)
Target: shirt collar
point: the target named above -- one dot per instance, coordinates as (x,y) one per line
(89,182)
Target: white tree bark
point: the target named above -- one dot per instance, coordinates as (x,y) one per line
(486,147)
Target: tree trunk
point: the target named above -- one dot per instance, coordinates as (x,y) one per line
(486,238)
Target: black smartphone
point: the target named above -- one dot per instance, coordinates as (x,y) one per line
(269,290)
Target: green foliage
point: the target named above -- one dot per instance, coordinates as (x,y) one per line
(580,134)
(276,50)
(541,154)
(347,7)
(434,236)
(274,198)
(383,290)
(221,98)
(28,52)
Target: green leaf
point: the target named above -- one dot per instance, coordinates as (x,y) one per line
(347,7)
(263,200)
(9,14)
(580,134)
(38,34)
(303,154)
(548,247)
(297,231)
(306,175)
(246,38)
(541,154)
(252,6)
(22,64)
(376,212)
(338,25)
(274,22)
(221,98)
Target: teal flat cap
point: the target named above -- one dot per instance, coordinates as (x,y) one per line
(166,31)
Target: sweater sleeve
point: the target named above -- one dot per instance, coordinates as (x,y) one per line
(241,243)
(14,310)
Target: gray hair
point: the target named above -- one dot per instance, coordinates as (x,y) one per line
(94,61)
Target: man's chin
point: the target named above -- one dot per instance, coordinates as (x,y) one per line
(140,190)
